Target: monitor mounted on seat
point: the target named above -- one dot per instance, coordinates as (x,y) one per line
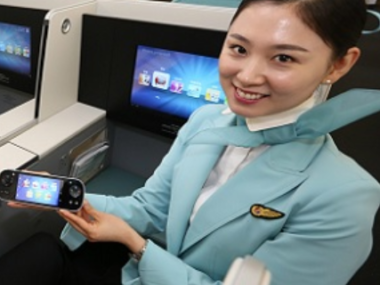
(20,40)
(149,75)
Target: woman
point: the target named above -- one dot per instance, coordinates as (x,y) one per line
(291,200)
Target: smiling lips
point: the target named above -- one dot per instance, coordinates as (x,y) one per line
(246,97)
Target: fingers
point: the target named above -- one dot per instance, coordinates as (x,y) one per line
(90,211)
(16,205)
(77,222)
(36,172)
(85,221)
(64,214)
(27,206)
(74,219)
(84,215)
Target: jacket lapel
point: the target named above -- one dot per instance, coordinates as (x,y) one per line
(274,173)
(193,168)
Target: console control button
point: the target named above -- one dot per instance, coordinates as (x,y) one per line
(7,179)
(75,191)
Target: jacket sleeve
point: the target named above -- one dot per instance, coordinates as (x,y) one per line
(159,267)
(146,209)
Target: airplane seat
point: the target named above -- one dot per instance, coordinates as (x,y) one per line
(115,181)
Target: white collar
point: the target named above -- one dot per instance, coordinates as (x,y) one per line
(278,119)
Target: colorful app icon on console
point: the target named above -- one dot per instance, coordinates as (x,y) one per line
(26,183)
(35,185)
(47,196)
(29,194)
(44,185)
(54,186)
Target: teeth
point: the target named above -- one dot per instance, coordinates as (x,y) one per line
(249,96)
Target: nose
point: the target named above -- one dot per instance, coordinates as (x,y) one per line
(252,72)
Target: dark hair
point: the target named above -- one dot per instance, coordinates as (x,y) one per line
(338,22)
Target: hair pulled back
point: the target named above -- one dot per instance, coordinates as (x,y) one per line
(338,22)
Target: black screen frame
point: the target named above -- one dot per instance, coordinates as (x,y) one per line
(117,57)
(34,19)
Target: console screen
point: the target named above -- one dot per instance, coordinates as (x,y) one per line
(173,82)
(42,190)
(15,48)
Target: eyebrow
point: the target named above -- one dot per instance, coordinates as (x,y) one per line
(276,47)
(290,47)
(240,38)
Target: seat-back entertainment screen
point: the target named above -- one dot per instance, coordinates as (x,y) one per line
(174,83)
(149,75)
(20,41)
(15,45)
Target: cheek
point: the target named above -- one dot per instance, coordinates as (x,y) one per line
(294,82)
(227,66)
(224,69)
(283,82)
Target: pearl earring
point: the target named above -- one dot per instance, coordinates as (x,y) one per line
(321,93)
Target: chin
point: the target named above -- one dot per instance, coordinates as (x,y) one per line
(246,112)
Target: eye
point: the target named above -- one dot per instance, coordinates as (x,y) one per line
(238,49)
(283,58)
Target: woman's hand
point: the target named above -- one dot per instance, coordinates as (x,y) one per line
(98,226)
(28,206)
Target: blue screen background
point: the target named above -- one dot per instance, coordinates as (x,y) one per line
(174,82)
(15,48)
(40,190)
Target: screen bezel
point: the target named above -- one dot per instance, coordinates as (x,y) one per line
(160,36)
(117,43)
(34,19)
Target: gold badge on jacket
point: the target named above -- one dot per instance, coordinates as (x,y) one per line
(263,212)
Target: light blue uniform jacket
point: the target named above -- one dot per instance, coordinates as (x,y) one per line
(328,200)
